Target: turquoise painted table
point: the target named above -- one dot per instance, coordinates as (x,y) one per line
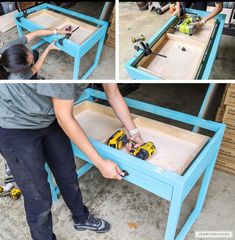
(166,184)
(75,50)
(206,63)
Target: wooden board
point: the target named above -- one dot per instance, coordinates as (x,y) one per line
(99,122)
(178,64)
(176,147)
(7,21)
(45,18)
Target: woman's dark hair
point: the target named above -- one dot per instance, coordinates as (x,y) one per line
(15,59)
(3,72)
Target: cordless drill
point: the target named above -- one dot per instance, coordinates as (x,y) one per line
(119,140)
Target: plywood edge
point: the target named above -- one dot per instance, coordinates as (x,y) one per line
(148,71)
(194,138)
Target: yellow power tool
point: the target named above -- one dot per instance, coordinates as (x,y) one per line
(145,151)
(119,140)
(13,193)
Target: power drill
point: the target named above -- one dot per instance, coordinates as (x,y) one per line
(145,151)
(119,139)
(14,193)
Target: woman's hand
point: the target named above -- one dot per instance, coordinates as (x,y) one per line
(110,170)
(137,140)
(200,23)
(65,30)
(52,46)
(178,9)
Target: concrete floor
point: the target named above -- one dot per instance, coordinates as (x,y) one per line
(121,202)
(59,65)
(134,22)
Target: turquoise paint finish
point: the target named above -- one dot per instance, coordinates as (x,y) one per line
(73,49)
(168,185)
(207,64)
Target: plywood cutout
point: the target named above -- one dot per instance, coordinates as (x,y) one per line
(176,147)
(179,64)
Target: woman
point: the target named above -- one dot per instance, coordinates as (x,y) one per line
(19,62)
(200,6)
(36,123)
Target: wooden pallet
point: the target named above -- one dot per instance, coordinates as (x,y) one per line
(110,41)
(226,114)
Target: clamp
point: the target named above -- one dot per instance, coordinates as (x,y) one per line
(138,39)
(146,50)
(24,15)
(67,36)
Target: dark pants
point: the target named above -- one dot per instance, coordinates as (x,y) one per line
(197,5)
(36,57)
(26,152)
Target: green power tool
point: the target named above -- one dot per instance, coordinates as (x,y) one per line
(187,25)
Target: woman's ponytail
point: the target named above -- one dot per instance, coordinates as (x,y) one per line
(3,72)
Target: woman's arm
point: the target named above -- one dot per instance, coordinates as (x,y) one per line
(218,8)
(64,114)
(121,109)
(46,32)
(178,9)
(37,66)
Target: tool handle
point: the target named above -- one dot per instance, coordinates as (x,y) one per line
(125,173)
(158,54)
(137,48)
(143,45)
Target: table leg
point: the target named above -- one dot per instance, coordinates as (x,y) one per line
(201,197)
(174,213)
(20,30)
(76,70)
(98,54)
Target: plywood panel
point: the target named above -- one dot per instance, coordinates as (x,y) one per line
(45,18)
(178,64)
(7,21)
(99,122)
(176,147)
